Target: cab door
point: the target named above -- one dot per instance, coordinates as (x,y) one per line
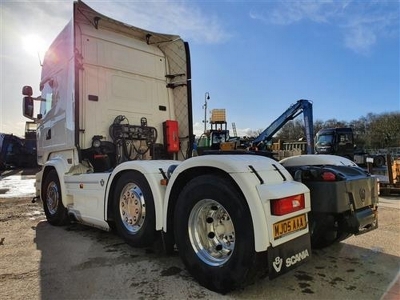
(53,132)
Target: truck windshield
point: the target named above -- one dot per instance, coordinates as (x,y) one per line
(325,139)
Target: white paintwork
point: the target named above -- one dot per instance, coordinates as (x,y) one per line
(256,194)
(316,160)
(277,191)
(86,192)
(55,131)
(128,77)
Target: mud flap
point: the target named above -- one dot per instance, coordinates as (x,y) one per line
(285,257)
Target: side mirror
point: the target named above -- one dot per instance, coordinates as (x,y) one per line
(27,107)
(27,91)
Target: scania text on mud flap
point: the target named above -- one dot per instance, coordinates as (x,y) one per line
(290,255)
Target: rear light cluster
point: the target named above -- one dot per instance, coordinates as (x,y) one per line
(283,206)
(328,176)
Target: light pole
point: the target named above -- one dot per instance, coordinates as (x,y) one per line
(206,97)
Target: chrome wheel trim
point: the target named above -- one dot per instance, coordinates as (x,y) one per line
(52,197)
(211,232)
(132,207)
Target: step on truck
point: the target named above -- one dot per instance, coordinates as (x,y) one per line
(114,141)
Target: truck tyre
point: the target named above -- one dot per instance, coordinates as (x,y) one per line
(134,210)
(214,234)
(55,211)
(379,161)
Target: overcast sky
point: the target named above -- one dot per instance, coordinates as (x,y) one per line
(254,58)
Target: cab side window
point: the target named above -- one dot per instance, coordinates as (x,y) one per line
(48,97)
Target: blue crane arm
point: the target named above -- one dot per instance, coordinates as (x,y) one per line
(301,106)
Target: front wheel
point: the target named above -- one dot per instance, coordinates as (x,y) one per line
(134,210)
(214,234)
(55,211)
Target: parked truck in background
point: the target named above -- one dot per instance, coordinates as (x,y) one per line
(17,152)
(336,141)
(340,141)
(115,140)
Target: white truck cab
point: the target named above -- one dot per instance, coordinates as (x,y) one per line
(115,138)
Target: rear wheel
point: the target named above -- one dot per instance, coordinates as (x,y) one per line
(214,234)
(55,211)
(134,210)
(379,161)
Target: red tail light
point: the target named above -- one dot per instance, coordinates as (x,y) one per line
(328,176)
(280,207)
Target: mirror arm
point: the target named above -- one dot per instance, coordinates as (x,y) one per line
(39,98)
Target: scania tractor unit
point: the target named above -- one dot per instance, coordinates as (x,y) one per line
(114,141)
